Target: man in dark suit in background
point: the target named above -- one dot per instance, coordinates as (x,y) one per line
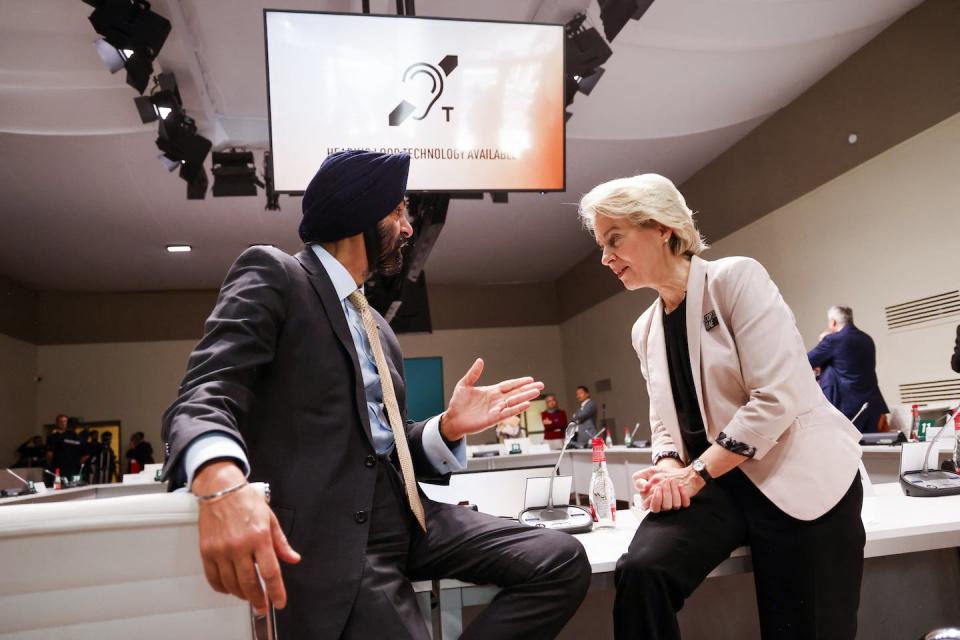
(848,358)
(585,416)
(299,383)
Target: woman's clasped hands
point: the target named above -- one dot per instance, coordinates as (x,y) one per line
(667,486)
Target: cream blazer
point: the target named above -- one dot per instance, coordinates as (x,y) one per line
(754,384)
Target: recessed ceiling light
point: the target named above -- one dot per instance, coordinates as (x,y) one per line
(179,248)
(852,138)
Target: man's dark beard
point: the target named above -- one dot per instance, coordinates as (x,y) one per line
(388,250)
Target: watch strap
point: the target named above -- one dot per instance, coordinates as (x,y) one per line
(702,471)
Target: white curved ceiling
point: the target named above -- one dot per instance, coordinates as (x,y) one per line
(88,207)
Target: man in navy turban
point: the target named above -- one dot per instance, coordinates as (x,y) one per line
(285,388)
(352,192)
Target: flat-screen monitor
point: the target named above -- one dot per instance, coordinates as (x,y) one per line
(478,105)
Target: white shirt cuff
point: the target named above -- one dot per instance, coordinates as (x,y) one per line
(443,459)
(210,447)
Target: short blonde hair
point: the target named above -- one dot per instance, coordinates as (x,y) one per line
(643,199)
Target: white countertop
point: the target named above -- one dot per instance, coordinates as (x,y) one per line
(894,524)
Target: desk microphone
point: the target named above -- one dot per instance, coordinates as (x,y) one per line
(27,484)
(926,483)
(862,409)
(567,518)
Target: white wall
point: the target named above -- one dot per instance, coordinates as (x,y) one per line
(883,233)
(18,362)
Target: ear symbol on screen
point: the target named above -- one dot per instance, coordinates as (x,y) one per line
(434,87)
(434,75)
(405,110)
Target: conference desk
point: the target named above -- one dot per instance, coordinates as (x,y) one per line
(882,463)
(88,492)
(911,578)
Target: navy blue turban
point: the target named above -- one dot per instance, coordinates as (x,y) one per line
(351,193)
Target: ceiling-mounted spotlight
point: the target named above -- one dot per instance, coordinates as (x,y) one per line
(179,140)
(168,164)
(163,102)
(615,13)
(234,174)
(196,178)
(180,143)
(113,58)
(585,84)
(132,36)
(585,49)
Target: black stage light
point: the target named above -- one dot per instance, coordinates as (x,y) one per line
(196,177)
(499,197)
(168,164)
(163,102)
(585,48)
(133,32)
(137,63)
(234,174)
(180,141)
(586,84)
(615,13)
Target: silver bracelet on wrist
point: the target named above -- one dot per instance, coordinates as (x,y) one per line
(220,494)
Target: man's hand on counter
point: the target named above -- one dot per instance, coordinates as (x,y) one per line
(239,534)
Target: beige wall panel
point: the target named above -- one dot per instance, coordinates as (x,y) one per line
(136,381)
(18,418)
(507,353)
(133,382)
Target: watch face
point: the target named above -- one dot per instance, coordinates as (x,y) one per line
(698,465)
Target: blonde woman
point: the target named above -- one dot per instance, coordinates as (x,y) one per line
(746,448)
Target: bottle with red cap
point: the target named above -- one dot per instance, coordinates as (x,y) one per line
(914,423)
(603,500)
(57,483)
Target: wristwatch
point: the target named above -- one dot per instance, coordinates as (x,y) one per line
(701,468)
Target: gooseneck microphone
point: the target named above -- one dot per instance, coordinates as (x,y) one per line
(551,513)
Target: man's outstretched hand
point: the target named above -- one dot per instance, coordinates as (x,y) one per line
(474,408)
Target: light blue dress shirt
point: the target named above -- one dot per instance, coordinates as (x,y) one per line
(443,459)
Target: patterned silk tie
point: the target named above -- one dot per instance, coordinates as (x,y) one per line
(393,410)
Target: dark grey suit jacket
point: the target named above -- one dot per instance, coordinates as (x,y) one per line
(586,417)
(277,371)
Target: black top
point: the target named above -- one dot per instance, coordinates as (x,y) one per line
(681,382)
(68,453)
